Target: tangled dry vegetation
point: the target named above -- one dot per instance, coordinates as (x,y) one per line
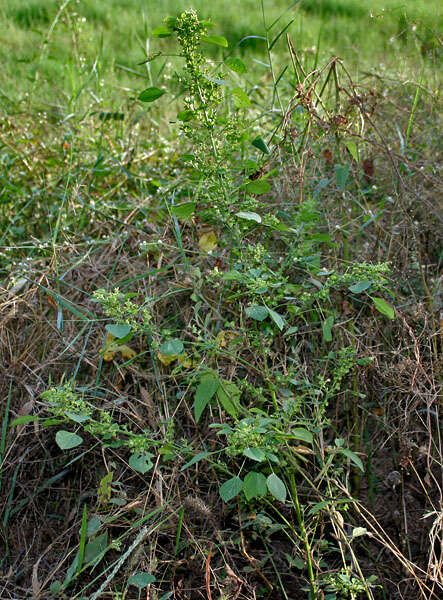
(115,231)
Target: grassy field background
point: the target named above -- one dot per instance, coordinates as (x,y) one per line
(111,36)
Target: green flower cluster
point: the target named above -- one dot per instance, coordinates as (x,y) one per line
(249,433)
(64,400)
(119,307)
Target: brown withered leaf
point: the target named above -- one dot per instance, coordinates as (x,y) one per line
(368,169)
(150,407)
(328,155)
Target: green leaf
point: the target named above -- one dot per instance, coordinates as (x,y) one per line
(353,457)
(231,488)
(352,147)
(141,461)
(184,210)
(360,287)
(276,487)
(217,40)
(254,485)
(23,419)
(205,390)
(278,319)
(259,186)
(341,175)
(161,32)
(67,440)
(254,454)
(96,548)
(249,216)
(383,307)
(118,331)
(195,459)
(77,417)
(185,115)
(237,65)
(260,143)
(141,580)
(151,94)
(56,587)
(228,395)
(358,531)
(327,329)
(259,313)
(241,99)
(173,346)
(93,526)
(81,548)
(299,433)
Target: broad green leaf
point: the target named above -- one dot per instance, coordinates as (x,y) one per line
(327,329)
(77,417)
(278,319)
(93,526)
(141,580)
(231,488)
(241,99)
(141,462)
(173,346)
(352,147)
(217,40)
(67,440)
(185,115)
(254,485)
(161,32)
(23,419)
(383,307)
(237,65)
(353,457)
(96,548)
(228,395)
(341,175)
(195,459)
(299,433)
(249,216)
(151,94)
(55,587)
(359,287)
(118,330)
(184,210)
(259,313)
(276,487)
(259,186)
(254,454)
(205,390)
(260,143)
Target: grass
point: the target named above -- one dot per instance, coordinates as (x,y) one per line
(258,417)
(111,36)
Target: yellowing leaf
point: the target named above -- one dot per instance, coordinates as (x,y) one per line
(224,337)
(109,353)
(167,359)
(105,490)
(208,241)
(126,351)
(112,348)
(221,339)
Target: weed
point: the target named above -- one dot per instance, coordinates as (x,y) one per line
(227,289)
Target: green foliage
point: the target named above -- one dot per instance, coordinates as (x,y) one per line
(226,338)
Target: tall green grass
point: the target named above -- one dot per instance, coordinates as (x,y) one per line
(93,41)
